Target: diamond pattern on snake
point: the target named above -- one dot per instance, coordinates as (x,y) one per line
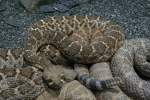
(75,39)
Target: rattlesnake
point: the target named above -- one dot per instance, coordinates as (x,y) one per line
(17,81)
(17,84)
(128,62)
(79,39)
(20,80)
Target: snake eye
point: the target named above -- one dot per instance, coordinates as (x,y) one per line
(50,82)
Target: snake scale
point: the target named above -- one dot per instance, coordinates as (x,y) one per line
(18,82)
(101,71)
(132,64)
(79,39)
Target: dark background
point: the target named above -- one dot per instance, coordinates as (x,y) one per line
(132,15)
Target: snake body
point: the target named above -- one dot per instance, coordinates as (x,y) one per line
(101,71)
(17,81)
(95,84)
(20,84)
(75,91)
(79,39)
(131,63)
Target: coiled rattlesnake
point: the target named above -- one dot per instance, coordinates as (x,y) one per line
(85,40)
(80,39)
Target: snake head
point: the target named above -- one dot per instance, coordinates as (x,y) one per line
(57,75)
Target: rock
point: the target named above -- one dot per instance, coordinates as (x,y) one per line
(32,4)
(58,6)
(61,6)
(75,91)
(46,9)
(29,4)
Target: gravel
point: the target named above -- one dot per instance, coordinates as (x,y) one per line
(132,15)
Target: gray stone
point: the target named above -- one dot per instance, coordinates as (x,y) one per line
(29,4)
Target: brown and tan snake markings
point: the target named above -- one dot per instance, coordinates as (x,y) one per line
(79,39)
(16,81)
(82,39)
(56,42)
